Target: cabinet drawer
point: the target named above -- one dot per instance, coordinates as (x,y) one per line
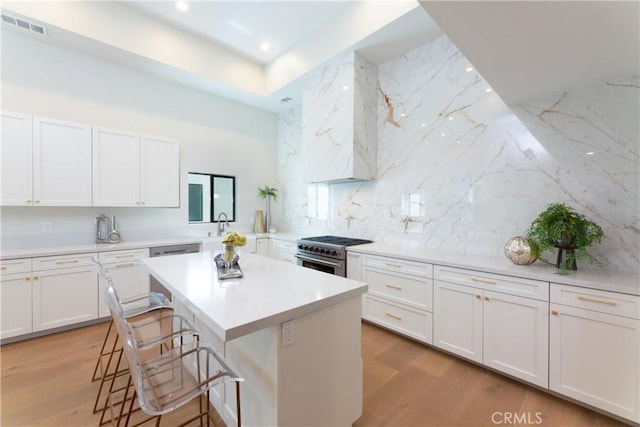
(11,266)
(411,322)
(285,245)
(287,256)
(62,261)
(528,288)
(122,256)
(403,288)
(596,300)
(394,264)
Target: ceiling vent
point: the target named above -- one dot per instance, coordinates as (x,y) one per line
(24,24)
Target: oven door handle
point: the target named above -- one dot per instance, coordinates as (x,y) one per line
(319,261)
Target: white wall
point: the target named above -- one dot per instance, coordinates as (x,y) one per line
(216,135)
(482,176)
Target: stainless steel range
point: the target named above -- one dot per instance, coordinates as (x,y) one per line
(326,253)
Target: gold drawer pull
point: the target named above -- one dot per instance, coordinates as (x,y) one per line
(393,264)
(487,298)
(485,281)
(599,301)
(67,261)
(554,312)
(125,264)
(397,288)
(36,277)
(125,256)
(478,296)
(393,316)
(4,267)
(353,255)
(27,279)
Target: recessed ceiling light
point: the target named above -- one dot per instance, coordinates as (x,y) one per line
(488,90)
(345,87)
(424,125)
(182,5)
(450,118)
(469,69)
(443,134)
(459,142)
(590,153)
(403,115)
(264,46)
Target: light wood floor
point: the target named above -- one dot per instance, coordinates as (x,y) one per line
(45,382)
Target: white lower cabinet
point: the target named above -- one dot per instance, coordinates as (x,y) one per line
(457,324)
(400,295)
(262,246)
(503,331)
(354,266)
(130,278)
(64,296)
(286,251)
(15,298)
(595,349)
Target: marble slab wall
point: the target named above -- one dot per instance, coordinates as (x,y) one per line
(461,172)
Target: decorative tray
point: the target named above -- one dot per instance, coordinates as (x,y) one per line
(227,271)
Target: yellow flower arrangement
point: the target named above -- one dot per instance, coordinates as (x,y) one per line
(231,241)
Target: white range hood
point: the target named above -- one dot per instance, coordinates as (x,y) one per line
(339,113)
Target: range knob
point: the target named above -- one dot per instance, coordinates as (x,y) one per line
(322,250)
(300,246)
(334,253)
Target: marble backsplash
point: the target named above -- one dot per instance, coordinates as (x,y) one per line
(461,172)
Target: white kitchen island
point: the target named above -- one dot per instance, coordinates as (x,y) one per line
(314,380)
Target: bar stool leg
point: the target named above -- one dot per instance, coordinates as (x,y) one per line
(102,353)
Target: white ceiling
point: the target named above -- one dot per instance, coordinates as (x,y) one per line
(530,49)
(243,26)
(214,46)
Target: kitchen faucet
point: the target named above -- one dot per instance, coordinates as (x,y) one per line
(221,227)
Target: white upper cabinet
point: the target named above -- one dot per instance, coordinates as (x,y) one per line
(61,163)
(16,150)
(160,172)
(45,162)
(130,169)
(116,167)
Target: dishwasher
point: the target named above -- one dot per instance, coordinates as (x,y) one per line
(189,248)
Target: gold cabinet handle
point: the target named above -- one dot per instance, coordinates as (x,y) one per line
(487,298)
(393,316)
(554,312)
(397,288)
(27,279)
(353,255)
(67,261)
(393,264)
(36,201)
(36,277)
(599,301)
(4,267)
(29,202)
(485,281)
(125,256)
(125,264)
(478,296)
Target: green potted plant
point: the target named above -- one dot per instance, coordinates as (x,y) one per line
(267,193)
(561,227)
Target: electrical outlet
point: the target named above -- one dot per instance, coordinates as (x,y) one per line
(288,333)
(47,227)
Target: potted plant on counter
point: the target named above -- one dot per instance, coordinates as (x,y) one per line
(267,193)
(561,227)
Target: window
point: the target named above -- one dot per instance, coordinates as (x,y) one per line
(211,195)
(318,201)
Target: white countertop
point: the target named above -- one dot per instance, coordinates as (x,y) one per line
(271,291)
(94,247)
(586,276)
